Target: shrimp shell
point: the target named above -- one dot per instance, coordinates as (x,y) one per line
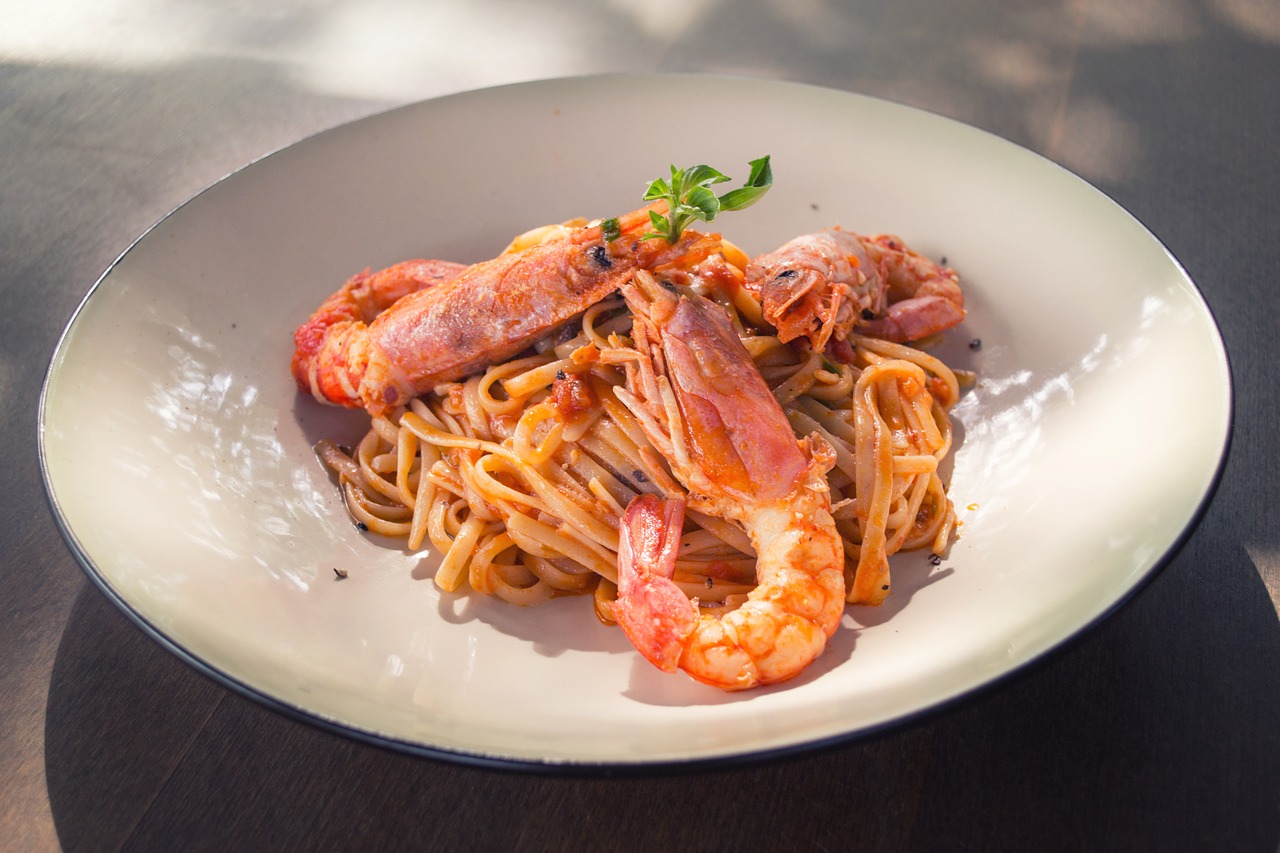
(703,404)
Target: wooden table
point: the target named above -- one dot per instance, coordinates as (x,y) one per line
(1158,731)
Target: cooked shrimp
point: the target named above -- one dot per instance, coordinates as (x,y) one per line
(321,345)
(822,286)
(488,312)
(705,407)
(817,285)
(924,297)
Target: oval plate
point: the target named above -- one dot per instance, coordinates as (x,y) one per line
(177,452)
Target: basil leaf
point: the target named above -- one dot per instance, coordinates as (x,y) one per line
(740,198)
(702,176)
(657,189)
(689,197)
(757,185)
(761,174)
(702,203)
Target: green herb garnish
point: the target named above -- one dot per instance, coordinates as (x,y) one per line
(688,195)
(610,229)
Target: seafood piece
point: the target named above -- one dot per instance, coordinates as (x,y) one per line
(321,344)
(705,407)
(817,285)
(924,296)
(487,313)
(822,286)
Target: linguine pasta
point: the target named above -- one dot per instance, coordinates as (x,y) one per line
(517,478)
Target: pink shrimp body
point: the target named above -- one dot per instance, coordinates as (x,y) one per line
(487,312)
(924,297)
(824,285)
(705,407)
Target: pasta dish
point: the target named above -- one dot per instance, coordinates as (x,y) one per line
(721,451)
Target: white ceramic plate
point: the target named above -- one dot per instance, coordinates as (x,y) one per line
(177,452)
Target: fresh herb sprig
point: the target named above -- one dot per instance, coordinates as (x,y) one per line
(689,197)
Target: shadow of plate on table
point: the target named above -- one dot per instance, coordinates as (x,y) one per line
(143,752)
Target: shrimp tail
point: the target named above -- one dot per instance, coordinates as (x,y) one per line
(923,297)
(651,609)
(914,319)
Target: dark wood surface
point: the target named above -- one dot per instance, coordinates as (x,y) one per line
(1158,731)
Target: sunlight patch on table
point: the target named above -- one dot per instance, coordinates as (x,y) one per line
(391,48)
(665,19)
(1020,65)
(387,49)
(89,31)
(1256,18)
(1136,21)
(1268,568)
(1090,137)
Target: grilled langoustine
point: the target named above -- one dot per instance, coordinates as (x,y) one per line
(822,286)
(447,321)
